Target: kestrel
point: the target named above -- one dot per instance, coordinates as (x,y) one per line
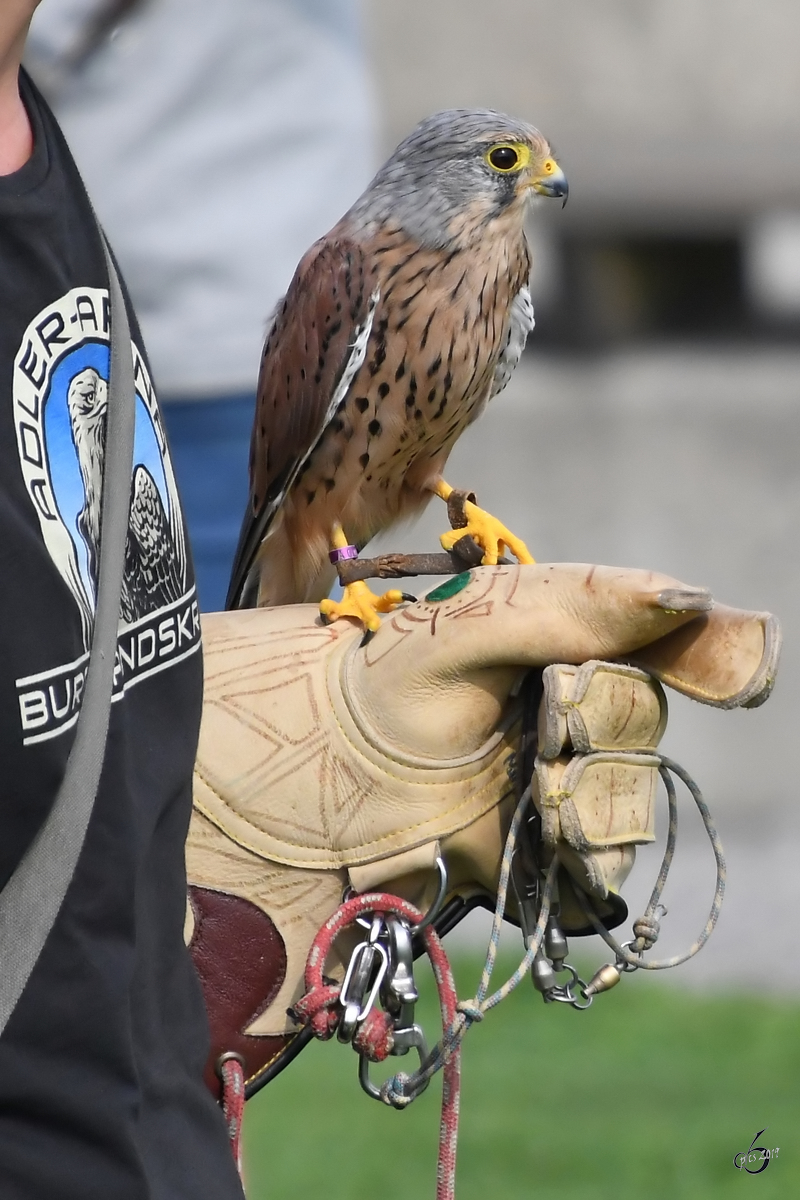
(397,329)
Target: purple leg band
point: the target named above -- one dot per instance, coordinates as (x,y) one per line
(342,554)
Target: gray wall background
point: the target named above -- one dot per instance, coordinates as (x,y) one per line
(661,109)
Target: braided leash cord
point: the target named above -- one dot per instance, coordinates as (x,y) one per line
(231,1073)
(320,1009)
(647,928)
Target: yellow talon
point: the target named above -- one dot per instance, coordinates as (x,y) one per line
(359,602)
(489,533)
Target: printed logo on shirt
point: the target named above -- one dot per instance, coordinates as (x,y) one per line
(60,405)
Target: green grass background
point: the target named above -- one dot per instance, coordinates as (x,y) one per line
(650,1093)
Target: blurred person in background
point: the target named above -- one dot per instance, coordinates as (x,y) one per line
(217,142)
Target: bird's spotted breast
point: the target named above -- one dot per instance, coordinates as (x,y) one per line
(436,338)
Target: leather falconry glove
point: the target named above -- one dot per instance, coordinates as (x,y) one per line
(324,764)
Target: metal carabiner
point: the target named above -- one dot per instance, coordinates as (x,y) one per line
(411,1038)
(360,970)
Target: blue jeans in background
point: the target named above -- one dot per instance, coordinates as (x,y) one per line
(210,444)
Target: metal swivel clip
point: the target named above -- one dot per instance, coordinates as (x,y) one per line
(551,962)
(399,995)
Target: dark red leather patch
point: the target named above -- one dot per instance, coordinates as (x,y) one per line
(241,960)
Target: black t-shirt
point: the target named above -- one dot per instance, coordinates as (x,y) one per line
(100,1065)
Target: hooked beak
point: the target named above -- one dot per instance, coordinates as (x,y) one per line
(552,181)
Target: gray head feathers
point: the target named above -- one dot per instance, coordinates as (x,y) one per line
(439,169)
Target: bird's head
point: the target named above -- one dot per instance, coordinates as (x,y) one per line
(462,165)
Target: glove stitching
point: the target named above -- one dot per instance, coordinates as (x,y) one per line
(690,689)
(320,865)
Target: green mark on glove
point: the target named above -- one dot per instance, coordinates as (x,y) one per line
(451,587)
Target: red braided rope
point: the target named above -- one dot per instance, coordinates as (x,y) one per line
(318,1008)
(231,1072)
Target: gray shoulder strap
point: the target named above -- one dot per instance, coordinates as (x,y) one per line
(30,901)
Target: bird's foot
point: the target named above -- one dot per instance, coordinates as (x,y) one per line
(489,533)
(359,602)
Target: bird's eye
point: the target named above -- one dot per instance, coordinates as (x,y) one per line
(503,158)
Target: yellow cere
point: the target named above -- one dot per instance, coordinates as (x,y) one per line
(509,157)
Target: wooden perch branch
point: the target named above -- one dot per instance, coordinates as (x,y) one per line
(465,554)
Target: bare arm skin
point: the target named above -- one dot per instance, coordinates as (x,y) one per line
(16,140)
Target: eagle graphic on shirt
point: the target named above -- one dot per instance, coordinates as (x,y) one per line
(153,574)
(61,396)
